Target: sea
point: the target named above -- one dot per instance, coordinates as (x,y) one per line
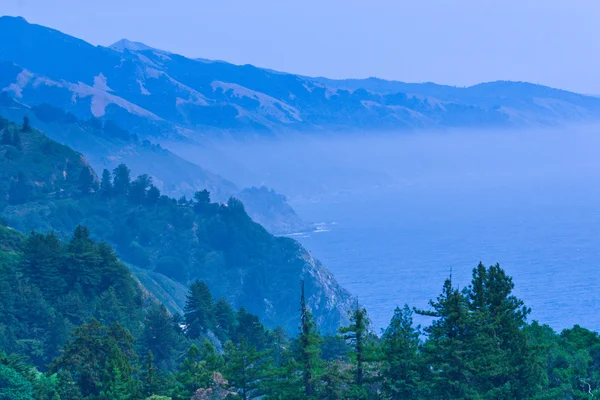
(530,202)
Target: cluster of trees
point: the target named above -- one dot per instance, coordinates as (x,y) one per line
(478,345)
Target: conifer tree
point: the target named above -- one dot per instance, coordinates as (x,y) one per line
(83,261)
(246,369)
(402,370)
(121,180)
(448,350)
(198,310)
(106,183)
(363,353)
(42,262)
(498,318)
(309,352)
(86,181)
(152,382)
(160,338)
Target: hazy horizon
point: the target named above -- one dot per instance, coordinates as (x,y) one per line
(460,43)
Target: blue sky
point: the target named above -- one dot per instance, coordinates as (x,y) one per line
(457,42)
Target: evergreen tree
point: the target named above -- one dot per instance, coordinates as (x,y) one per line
(93,356)
(448,350)
(504,361)
(403,369)
(121,180)
(192,375)
(83,263)
(42,263)
(198,310)
(248,327)
(86,181)
(106,183)
(153,195)
(309,351)
(202,200)
(363,353)
(137,189)
(152,381)
(224,317)
(246,368)
(160,338)
(334,381)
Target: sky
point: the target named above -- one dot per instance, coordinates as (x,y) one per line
(455,42)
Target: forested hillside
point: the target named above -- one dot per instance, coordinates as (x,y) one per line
(106,145)
(46,186)
(76,325)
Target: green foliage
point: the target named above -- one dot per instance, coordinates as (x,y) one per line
(403,371)
(198,310)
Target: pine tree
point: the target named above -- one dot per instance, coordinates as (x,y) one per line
(309,351)
(504,361)
(191,376)
(248,327)
(363,353)
(202,200)
(106,183)
(83,263)
(198,310)
(152,382)
(448,351)
(42,263)
(86,181)
(137,189)
(122,179)
(153,195)
(246,368)
(403,369)
(224,319)
(159,337)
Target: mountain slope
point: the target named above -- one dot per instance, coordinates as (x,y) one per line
(155,93)
(184,241)
(105,145)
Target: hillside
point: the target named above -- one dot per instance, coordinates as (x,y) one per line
(155,93)
(183,241)
(106,145)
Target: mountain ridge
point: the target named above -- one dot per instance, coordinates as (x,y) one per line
(155,93)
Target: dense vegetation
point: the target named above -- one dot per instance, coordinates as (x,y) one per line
(127,346)
(76,324)
(48,187)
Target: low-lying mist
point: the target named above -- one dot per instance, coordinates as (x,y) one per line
(400,211)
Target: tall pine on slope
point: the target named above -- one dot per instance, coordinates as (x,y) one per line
(364,353)
(403,370)
(309,352)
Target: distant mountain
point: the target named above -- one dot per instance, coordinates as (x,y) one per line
(156,93)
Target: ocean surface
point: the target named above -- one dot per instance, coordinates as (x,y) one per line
(531,204)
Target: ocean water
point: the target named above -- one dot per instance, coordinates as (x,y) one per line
(400,212)
(533,208)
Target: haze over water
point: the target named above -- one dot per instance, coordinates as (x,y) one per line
(401,211)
